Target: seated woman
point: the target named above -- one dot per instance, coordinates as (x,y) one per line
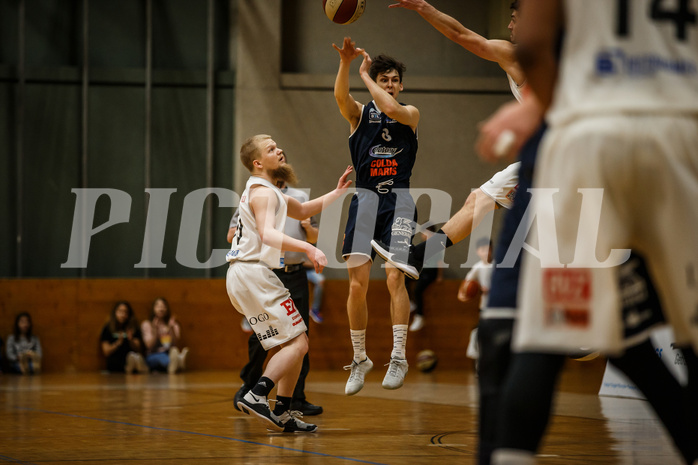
(162,335)
(23,347)
(121,341)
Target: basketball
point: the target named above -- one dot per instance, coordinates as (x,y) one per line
(472,289)
(344,11)
(426,361)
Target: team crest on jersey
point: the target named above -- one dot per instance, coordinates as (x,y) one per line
(379,151)
(231,255)
(374,116)
(512,193)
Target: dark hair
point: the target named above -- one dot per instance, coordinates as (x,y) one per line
(114,325)
(167,306)
(383,64)
(17,332)
(515,5)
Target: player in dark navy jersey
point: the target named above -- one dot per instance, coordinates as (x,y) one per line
(383,145)
(383,151)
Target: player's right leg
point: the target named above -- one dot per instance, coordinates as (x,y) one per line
(359,268)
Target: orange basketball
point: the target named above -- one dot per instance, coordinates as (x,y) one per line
(344,11)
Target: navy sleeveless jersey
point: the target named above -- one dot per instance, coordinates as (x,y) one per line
(383,151)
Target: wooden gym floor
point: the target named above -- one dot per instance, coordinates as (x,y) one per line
(94,418)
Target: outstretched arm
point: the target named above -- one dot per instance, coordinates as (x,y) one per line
(348,107)
(301,211)
(500,51)
(539,31)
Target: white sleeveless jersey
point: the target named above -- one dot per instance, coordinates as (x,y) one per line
(247,244)
(515,88)
(627,56)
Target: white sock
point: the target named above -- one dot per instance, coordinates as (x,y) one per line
(399,342)
(512,457)
(358,341)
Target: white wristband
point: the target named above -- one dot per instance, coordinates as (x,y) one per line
(504,143)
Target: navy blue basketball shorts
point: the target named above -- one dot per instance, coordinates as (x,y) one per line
(389,218)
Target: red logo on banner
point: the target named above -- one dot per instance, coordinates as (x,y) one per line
(567,297)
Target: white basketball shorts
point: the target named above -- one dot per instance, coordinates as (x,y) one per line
(257,293)
(502,186)
(604,185)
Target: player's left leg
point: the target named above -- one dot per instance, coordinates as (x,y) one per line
(494,338)
(359,268)
(297,283)
(476,206)
(524,409)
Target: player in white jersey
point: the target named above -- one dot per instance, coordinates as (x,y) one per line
(498,191)
(619,126)
(623,118)
(256,292)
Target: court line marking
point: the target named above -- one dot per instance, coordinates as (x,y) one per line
(157,428)
(5,458)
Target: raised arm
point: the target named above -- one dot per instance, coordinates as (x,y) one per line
(541,25)
(405,114)
(348,107)
(501,52)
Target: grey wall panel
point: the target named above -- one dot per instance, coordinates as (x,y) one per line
(8,31)
(116,161)
(178,161)
(117,34)
(7,185)
(53,32)
(51,169)
(223,167)
(179,34)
